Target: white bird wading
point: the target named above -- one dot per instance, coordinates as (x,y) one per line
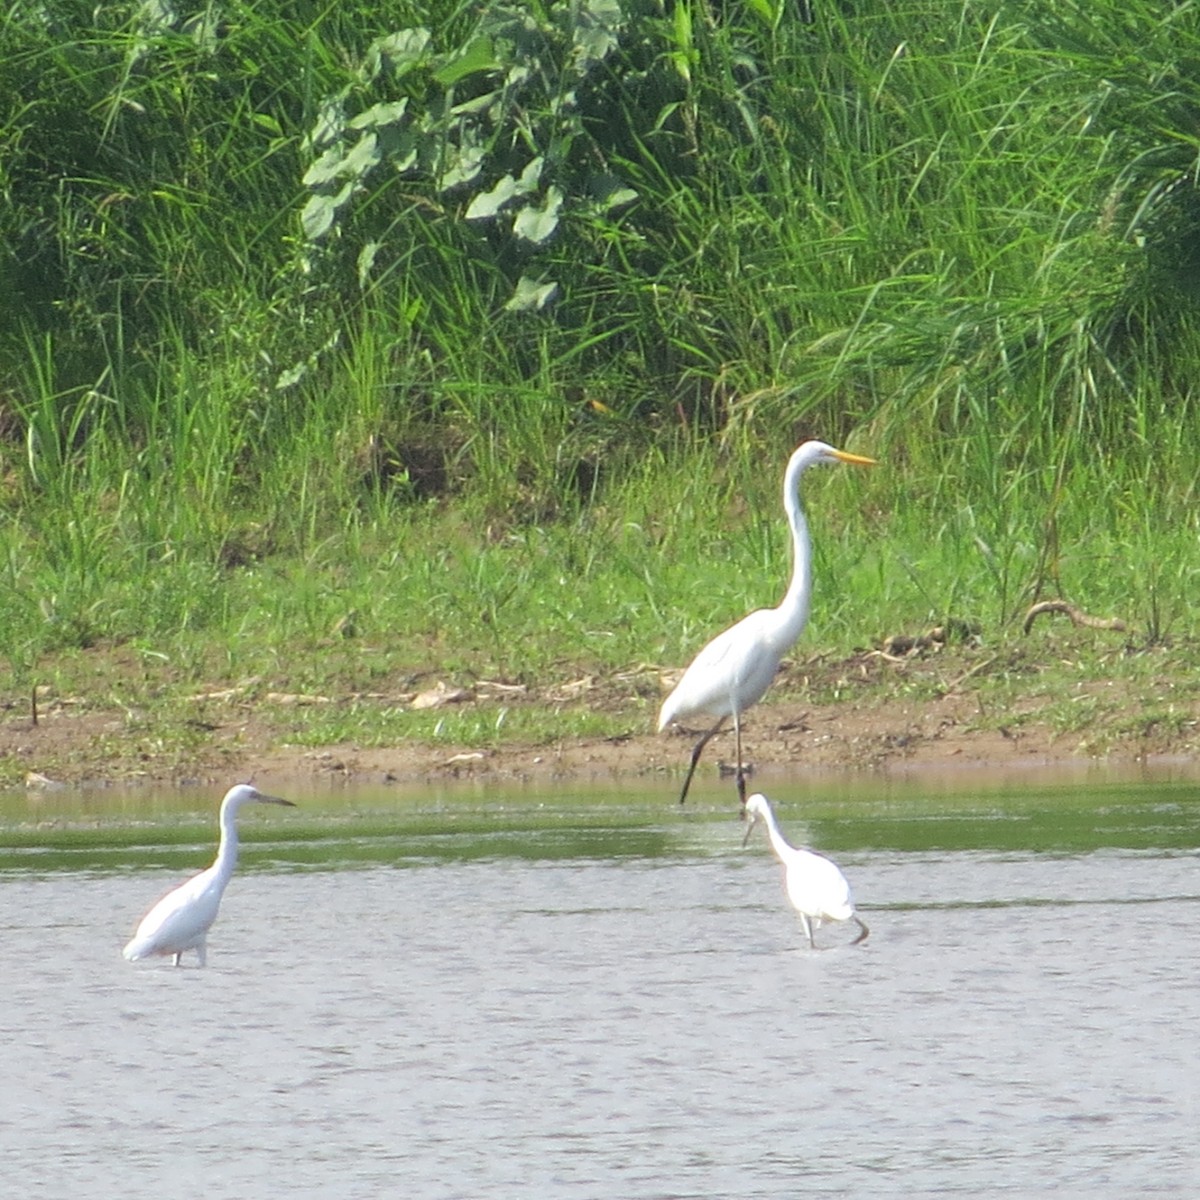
(733,671)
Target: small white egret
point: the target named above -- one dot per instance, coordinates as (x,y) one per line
(181,919)
(815,884)
(733,671)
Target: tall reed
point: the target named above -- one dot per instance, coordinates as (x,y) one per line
(464,319)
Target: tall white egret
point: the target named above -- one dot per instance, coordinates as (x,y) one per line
(181,919)
(815,884)
(734,670)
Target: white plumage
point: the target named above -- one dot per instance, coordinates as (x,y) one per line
(815,884)
(735,669)
(181,919)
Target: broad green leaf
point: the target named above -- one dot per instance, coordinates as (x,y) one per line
(463,163)
(478,56)
(595,34)
(477,104)
(488,204)
(531,294)
(532,176)
(327,167)
(330,122)
(357,161)
(595,44)
(321,209)
(317,216)
(537,224)
(619,196)
(269,123)
(399,146)
(403,50)
(379,114)
(606,12)
(363,156)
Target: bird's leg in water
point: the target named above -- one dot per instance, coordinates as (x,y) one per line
(862,937)
(687,783)
(808,933)
(741,770)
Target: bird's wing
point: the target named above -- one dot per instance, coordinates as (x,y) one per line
(737,659)
(735,642)
(179,915)
(817,886)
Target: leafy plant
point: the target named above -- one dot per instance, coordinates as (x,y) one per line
(496,326)
(493,127)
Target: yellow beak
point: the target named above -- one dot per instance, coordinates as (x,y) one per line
(859,460)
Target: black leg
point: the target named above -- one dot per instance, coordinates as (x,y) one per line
(862,937)
(741,770)
(687,783)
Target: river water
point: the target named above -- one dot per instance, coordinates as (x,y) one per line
(530,994)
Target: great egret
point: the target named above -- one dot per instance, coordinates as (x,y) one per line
(734,670)
(815,884)
(181,919)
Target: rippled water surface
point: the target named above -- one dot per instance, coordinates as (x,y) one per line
(594,995)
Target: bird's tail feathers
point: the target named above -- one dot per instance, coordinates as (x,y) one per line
(136,949)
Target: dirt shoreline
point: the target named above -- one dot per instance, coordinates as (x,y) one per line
(781,738)
(882,724)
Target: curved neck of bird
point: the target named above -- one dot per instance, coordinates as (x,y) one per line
(227,851)
(778,842)
(795,603)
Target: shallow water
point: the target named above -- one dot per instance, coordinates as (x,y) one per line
(464,995)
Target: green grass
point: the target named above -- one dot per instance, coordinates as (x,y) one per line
(961,240)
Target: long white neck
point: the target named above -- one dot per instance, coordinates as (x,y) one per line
(227,851)
(778,842)
(795,603)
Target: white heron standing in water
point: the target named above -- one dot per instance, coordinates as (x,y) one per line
(181,919)
(815,884)
(733,671)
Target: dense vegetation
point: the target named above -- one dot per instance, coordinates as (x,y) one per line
(484,331)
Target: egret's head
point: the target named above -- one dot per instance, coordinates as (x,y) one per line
(756,806)
(755,810)
(246,793)
(811,454)
(808,454)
